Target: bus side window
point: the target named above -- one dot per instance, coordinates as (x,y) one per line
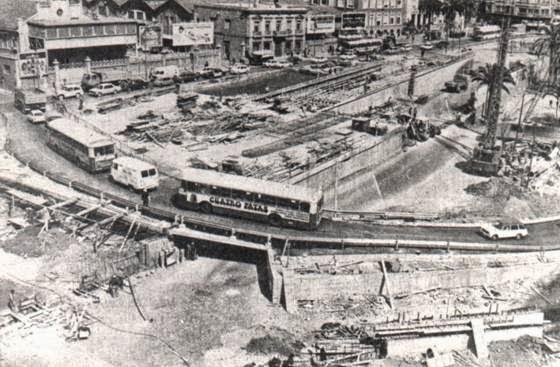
(270,200)
(304,207)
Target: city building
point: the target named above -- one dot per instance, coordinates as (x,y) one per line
(34,34)
(368,17)
(252,30)
(531,11)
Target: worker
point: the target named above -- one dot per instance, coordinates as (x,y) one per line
(145,197)
(81,102)
(12,303)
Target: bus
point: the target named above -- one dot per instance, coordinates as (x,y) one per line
(486,32)
(364,46)
(276,203)
(87,148)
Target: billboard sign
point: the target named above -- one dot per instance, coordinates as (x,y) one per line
(32,65)
(149,36)
(320,23)
(193,34)
(353,20)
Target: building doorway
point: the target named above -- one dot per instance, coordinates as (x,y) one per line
(278,46)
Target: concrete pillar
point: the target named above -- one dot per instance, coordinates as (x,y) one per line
(57,83)
(88,65)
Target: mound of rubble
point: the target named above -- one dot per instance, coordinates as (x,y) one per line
(495,188)
(526,351)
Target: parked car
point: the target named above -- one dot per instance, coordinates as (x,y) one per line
(36,117)
(211,73)
(348,57)
(239,69)
(104,89)
(318,60)
(459,83)
(163,82)
(185,77)
(504,230)
(427,46)
(70,91)
(277,64)
(133,84)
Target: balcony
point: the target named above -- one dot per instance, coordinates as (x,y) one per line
(282,33)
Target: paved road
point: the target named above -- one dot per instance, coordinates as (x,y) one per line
(29,142)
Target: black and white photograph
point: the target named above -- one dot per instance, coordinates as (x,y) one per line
(279,183)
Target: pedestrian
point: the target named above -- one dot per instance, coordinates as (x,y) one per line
(12,303)
(145,198)
(81,101)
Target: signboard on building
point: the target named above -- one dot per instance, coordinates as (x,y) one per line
(32,64)
(353,20)
(320,23)
(149,36)
(193,34)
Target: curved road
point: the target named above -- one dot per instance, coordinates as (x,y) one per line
(28,141)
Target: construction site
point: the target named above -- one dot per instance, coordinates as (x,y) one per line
(415,155)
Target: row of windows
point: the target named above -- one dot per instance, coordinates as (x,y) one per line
(266,45)
(71,143)
(91,30)
(225,192)
(278,25)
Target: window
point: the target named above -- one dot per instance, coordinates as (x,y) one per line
(109,29)
(398,20)
(7,69)
(267,26)
(131,14)
(256,46)
(391,20)
(297,45)
(98,29)
(289,24)
(256,27)
(227,24)
(51,33)
(131,28)
(266,45)
(87,30)
(102,10)
(63,32)
(278,24)
(298,25)
(121,28)
(325,2)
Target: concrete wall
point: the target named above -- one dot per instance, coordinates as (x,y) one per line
(140,67)
(324,286)
(355,174)
(415,347)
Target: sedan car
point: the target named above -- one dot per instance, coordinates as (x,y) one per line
(185,77)
(211,73)
(133,84)
(503,230)
(277,64)
(163,82)
(36,117)
(104,89)
(239,69)
(69,91)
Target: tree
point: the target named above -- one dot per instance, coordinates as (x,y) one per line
(485,75)
(430,8)
(451,8)
(548,45)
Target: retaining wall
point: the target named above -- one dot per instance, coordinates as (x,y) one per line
(325,286)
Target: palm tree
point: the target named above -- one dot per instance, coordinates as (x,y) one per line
(485,75)
(548,45)
(431,8)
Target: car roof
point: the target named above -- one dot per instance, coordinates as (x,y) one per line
(133,163)
(36,111)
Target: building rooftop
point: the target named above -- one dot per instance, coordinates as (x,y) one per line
(79,21)
(14,9)
(252,6)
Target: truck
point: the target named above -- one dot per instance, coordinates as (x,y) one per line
(27,100)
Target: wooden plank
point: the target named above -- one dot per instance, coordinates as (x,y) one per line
(88,210)
(64,203)
(390,298)
(34,199)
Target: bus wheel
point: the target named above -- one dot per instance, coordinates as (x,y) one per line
(206,208)
(275,220)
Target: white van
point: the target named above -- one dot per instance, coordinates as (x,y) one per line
(134,173)
(162,72)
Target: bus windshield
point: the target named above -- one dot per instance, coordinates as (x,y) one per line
(105,150)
